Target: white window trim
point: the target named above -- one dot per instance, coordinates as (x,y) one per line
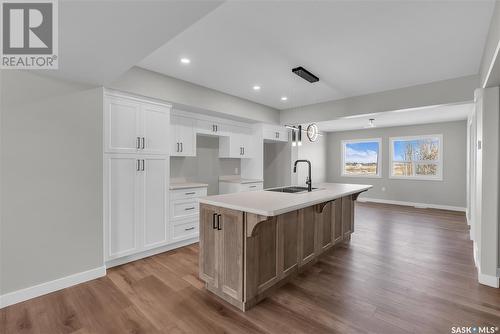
(438,177)
(364,140)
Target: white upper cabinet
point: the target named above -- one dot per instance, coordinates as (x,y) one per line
(183,136)
(155,129)
(135,126)
(238,144)
(122,118)
(211,127)
(277,133)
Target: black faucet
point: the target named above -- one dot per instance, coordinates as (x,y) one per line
(308,181)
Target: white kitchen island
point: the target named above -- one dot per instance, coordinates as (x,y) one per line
(253,242)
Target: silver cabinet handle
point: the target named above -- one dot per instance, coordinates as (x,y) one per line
(138,168)
(143,143)
(243,151)
(138,143)
(252,187)
(143,164)
(191,208)
(191,193)
(189,229)
(177,147)
(182,148)
(218,222)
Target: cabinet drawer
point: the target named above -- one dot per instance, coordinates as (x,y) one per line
(251,186)
(187,193)
(186,230)
(184,208)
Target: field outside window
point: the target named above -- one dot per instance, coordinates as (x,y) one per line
(418,157)
(361,158)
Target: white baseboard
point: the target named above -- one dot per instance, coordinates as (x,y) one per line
(488,280)
(417,205)
(51,286)
(151,252)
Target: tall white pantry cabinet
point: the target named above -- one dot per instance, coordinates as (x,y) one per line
(136,175)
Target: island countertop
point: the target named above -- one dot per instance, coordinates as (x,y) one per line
(271,203)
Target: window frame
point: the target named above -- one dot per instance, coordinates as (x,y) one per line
(343,144)
(439,162)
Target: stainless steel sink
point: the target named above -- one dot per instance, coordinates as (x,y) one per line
(291,189)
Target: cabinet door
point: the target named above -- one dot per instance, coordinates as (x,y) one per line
(210,127)
(209,259)
(231,253)
(247,146)
(184,142)
(122,200)
(155,191)
(121,125)
(155,129)
(326,225)
(347,211)
(288,225)
(307,235)
(337,216)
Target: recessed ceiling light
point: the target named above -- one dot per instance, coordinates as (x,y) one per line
(256,87)
(185,60)
(284,98)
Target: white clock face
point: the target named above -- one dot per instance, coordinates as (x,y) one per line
(312,132)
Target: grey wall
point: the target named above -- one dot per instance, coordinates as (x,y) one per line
(151,84)
(451,191)
(206,167)
(440,92)
(315,152)
(277,157)
(490,46)
(51,164)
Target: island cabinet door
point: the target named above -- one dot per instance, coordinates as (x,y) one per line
(307,235)
(288,235)
(326,224)
(230,252)
(209,245)
(337,223)
(347,216)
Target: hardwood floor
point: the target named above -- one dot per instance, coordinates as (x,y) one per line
(405,271)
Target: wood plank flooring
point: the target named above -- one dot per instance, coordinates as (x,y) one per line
(405,271)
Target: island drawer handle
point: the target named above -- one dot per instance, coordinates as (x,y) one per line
(218,222)
(189,229)
(191,208)
(191,193)
(252,187)
(213,221)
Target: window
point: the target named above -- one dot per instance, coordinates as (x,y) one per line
(361,157)
(418,157)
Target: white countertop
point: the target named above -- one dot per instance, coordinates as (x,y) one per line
(271,203)
(184,185)
(237,179)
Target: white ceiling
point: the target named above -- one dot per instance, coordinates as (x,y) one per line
(355,47)
(424,115)
(100,40)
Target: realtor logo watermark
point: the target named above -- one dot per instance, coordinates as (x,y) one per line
(29,36)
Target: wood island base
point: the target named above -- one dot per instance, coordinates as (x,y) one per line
(244,256)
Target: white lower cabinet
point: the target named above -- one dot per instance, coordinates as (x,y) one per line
(136,203)
(236,187)
(185,211)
